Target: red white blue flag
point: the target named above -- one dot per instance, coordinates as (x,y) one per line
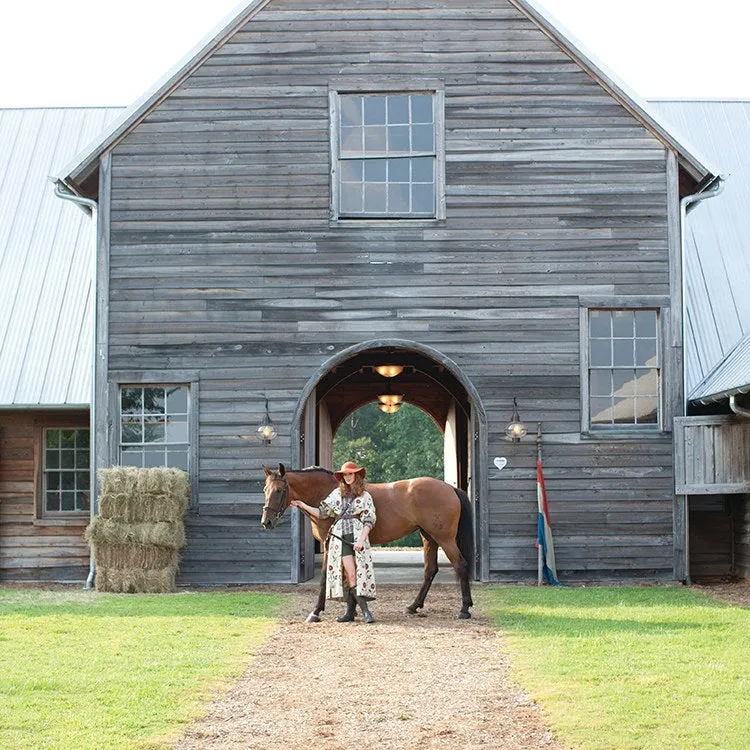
(544,530)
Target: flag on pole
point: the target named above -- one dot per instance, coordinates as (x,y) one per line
(544,531)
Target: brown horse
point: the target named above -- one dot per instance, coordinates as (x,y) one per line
(441,512)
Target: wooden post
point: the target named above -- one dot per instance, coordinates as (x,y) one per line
(539,561)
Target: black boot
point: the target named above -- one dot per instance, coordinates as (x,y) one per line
(366,614)
(351,608)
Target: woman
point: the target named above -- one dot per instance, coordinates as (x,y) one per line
(352,507)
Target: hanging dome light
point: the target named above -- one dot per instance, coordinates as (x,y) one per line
(389,371)
(389,408)
(390,398)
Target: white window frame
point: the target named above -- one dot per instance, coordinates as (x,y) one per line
(623,430)
(45,471)
(394,86)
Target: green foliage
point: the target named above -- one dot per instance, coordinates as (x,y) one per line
(396,446)
(615,668)
(81,670)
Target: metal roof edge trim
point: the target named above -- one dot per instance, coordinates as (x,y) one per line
(720,395)
(81,166)
(4,408)
(698,167)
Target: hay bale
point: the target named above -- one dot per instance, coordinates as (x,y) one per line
(133,556)
(169,534)
(131,494)
(136,580)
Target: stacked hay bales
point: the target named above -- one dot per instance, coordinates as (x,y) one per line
(140,529)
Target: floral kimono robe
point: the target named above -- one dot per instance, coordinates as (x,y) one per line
(363,510)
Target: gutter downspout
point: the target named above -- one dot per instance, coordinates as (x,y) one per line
(687,204)
(62,192)
(736,409)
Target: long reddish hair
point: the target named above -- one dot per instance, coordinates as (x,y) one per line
(355,489)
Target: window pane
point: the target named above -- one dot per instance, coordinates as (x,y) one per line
(153,430)
(82,480)
(601,353)
(154,400)
(52,501)
(352,139)
(375,198)
(351,110)
(177,400)
(422,169)
(82,458)
(352,170)
(374,110)
(178,459)
(352,199)
(82,441)
(645,384)
(622,382)
(646,411)
(421,108)
(398,170)
(375,170)
(624,410)
(82,500)
(67,459)
(68,501)
(600,324)
(131,400)
(423,138)
(645,323)
(67,439)
(422,199)
(622,323)
(52,438)
(645,352)
(622,350)
(177,430)
(153,458)
(68,480)
(375,140)
(398,138)
(132,432)
(131,456)
(53,480)
(601,410)
(398,109)
(52,459)
(398,198)
(601,382)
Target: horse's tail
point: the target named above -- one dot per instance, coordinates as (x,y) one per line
(465,533)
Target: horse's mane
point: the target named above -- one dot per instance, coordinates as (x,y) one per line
(314,468)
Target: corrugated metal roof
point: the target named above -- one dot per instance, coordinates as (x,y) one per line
(717,249)
(81,167)
(46,247)
(732,376)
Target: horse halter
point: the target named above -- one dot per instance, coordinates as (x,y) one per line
(278,510)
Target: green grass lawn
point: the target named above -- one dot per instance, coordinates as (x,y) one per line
(646,667)
(85,670)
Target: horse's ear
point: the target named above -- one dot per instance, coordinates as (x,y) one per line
(266,471)
(282,470)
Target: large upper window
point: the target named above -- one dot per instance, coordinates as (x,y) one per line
(65,470)
(624,368)
(385,150)
(154,426)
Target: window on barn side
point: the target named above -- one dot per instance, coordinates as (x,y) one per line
(624,369)
(65,471)
(153,426)
(385,155)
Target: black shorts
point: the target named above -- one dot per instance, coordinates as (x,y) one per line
(347,545)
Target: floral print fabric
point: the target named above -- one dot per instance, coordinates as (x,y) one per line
(363,510)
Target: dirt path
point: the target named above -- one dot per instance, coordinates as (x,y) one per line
(403,682)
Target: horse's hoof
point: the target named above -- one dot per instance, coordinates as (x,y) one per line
(312,617)
(411,610)
(368,618)
(464,615)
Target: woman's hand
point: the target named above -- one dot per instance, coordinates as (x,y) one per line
(359,545)
(294,503)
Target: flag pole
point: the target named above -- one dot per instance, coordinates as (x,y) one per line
(539,553)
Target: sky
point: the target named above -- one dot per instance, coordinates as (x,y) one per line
(102,52)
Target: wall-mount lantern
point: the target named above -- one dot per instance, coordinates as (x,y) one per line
(389,371)
(267,429)
(516,429)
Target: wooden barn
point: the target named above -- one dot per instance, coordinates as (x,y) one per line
(454,189)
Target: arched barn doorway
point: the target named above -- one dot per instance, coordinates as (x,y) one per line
(426,379)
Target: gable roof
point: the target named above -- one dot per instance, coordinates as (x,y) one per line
(85,164)
(46,248)
(717,252)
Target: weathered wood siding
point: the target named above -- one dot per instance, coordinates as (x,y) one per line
(33,548)
(223,260)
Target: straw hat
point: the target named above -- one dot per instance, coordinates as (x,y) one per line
(349,468)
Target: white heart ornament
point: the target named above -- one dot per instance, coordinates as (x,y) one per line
(500,462)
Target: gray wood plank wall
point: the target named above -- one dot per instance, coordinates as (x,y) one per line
(223,260)
(33,548)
